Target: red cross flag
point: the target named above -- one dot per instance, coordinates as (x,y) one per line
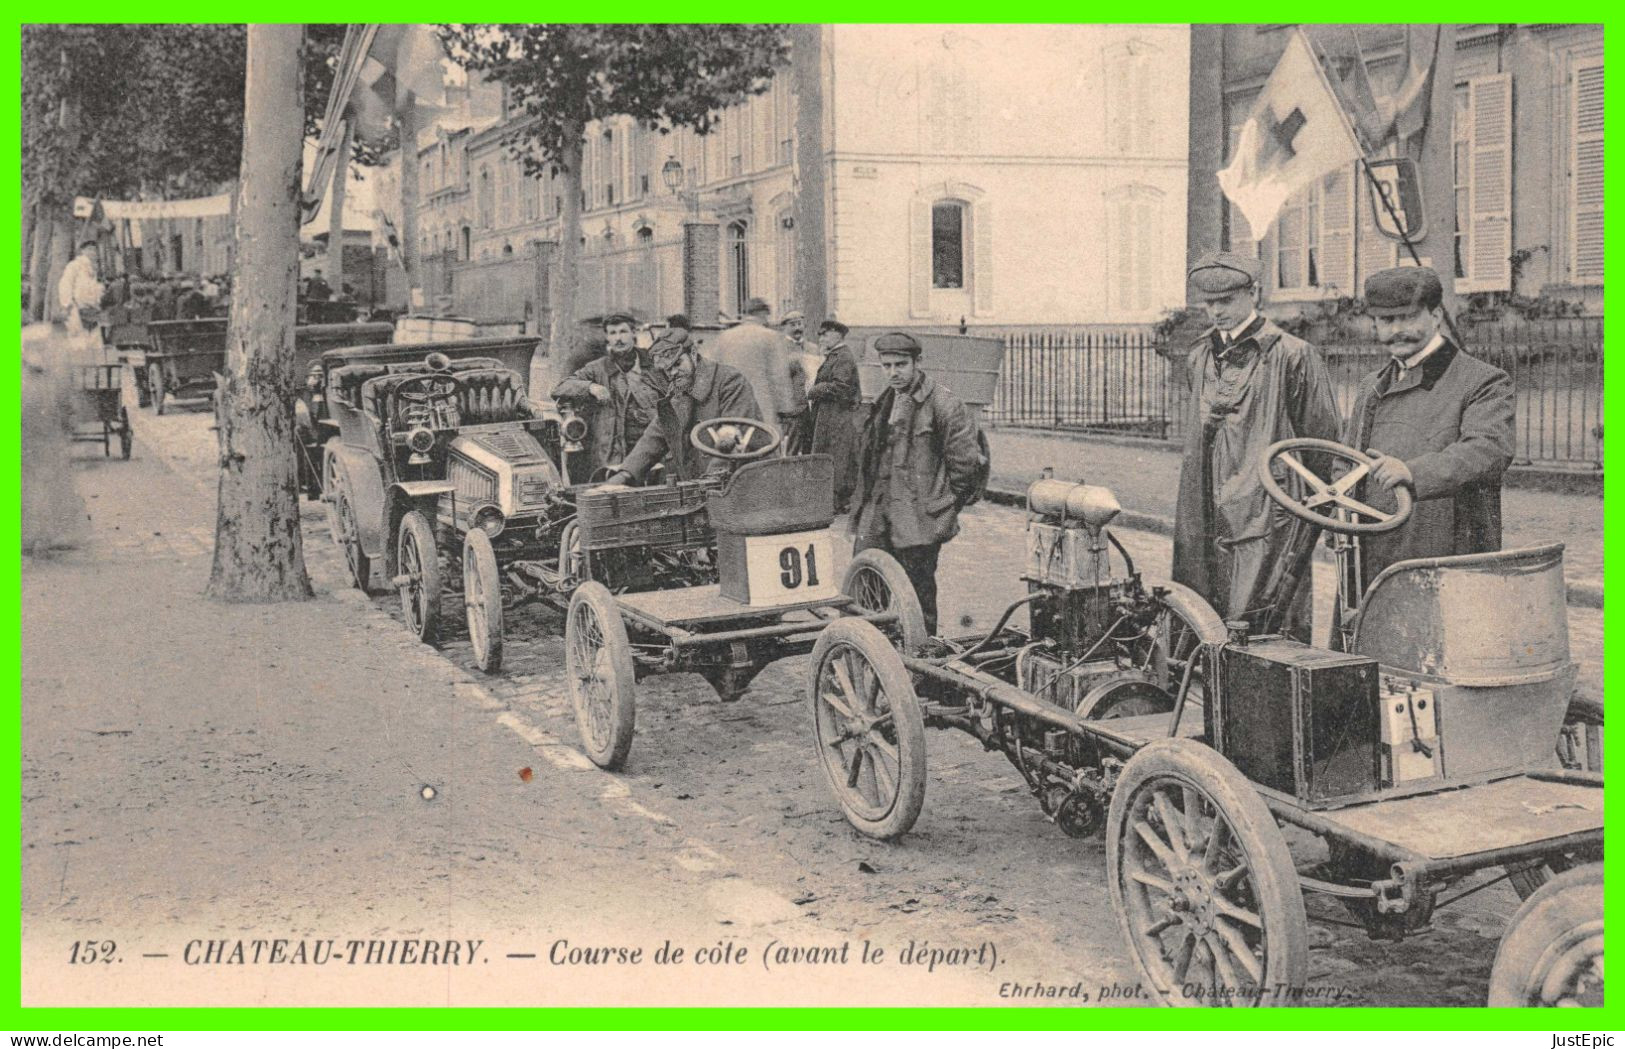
(1296,134)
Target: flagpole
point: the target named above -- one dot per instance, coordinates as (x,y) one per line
(1365,165)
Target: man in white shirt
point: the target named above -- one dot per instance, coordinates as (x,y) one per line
(79,290)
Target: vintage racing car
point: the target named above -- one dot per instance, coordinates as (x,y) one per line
(1421,754)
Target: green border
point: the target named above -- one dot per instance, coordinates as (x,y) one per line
(1611,1017)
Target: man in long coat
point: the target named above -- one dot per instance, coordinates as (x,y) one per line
(1438,421)
(695,389)
(757,352)
(612,395)
(836,410)
(1251,385)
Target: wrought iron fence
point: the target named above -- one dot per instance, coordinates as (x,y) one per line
(1133,383)
(1104,382)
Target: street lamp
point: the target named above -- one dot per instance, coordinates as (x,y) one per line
(671,173)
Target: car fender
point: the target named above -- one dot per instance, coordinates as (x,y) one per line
(1194,609)
(364,483)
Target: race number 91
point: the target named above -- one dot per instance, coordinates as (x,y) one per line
(790,568)
(797,566)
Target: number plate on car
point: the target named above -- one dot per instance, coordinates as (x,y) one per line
(785,569)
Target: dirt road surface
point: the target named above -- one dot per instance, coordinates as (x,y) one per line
(196,775)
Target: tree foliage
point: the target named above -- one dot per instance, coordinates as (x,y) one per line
(154,109)
(561,77)
(666,76)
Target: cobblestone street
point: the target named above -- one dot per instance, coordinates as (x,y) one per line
(232,736)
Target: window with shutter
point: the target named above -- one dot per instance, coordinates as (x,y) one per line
(1490,192)
(919,285)
(1586,174)
(1336,257)
(981,256)
(1128,97)
(1133,250)
(1309,251)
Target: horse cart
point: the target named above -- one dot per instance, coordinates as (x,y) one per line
(184,358)
(1421,753)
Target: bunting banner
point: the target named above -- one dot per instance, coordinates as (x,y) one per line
(196,208)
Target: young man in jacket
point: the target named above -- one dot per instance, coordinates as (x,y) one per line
(691,389)
(611,393)
(1251,385)
(1437,420)
(920,464)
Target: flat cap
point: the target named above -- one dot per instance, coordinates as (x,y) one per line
(792,316)
(617,318)
(833,325)
(897,342)
(1401,290)
(757,306)
(1221,272)
(669,342)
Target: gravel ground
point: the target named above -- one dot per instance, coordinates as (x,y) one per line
(198,771)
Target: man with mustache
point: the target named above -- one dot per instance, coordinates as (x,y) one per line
(691,389)
(612,395)
(1437,420)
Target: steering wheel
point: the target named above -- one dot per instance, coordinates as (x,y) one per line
(735,438)
(1326,498)
(424,389)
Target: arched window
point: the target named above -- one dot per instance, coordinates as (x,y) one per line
(646,234)
(468,244)
(1135,254)
(950,252)
(507,249)
(739,264)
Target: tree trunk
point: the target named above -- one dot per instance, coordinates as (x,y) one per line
(564,343)
(258,554)
(812,259)
(39,267)
(408,114)
(335,217)
(30,206)
(60,255)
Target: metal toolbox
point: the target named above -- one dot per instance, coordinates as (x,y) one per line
(1300,720)
(667,515)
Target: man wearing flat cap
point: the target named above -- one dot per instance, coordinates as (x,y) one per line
(1437,420)
(919,465)
(1251,385)
(836,417)
(611,394)
(804,362)
(691,389)
(757,352)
